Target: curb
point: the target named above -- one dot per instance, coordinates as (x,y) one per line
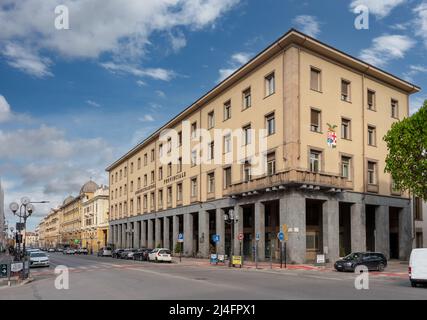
(23,283)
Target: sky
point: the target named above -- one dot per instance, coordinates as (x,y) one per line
(73,100)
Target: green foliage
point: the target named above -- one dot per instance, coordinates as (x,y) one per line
(407,153)
(178,247)
(159,246)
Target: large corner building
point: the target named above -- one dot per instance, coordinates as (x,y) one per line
(324,114)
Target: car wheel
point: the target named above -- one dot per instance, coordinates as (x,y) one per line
(413,284)
(381,267)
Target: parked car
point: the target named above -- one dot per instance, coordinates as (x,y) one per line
(130,254)
(105,252)
(141,254)
(82,251)
(418,267)
(51,250)
(30,250)
(116,253)
(69,251)
(59,250)
(372,260)
(160,255)
(124,253)
(39,259)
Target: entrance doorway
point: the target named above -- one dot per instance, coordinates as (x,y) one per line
(394,232)
(314,229)
(345,229)
(272,228)
(370,228)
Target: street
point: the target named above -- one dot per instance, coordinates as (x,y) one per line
(92,277)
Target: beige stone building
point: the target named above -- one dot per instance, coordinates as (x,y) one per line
(315,117)
(52,225)
(42,233)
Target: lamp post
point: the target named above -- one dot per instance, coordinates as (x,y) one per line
(23,211)
(231,219)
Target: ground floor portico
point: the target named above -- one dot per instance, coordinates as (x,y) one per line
(329,223)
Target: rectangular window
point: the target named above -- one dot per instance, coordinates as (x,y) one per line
(315,120)
(160,173)
(193,158)
(394,108)
(152,155)
(139,183)
(179,168)
(418,209)
(247,172)
(194,187)
(131,167)
(179,138)
(345,129)
(227,110)
(346,167)
(371,100)
(160,198)
(194,130)
(247,135)
(247,98)
(169,169)
(315,158)
(270,123)
(179,192)
(227,143)
(160,150)
(315,79)
(152,200)
(145,202)
(211,182)
(169,196)
(145,180)
(371,136)
(169,145)
(271,163)
(270,84)
(211,150)
(345,90)
(372,172)
(131,206)
(145,159)
(131,186)
(211,120)
(139,163)
(152,176)
(138,204)
(227,177)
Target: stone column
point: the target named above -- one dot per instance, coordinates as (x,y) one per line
(188,234)
(405,233)
(166,240)
(331,229)
(150,241)
(204,239)
(382,230)
(358,227)
(136,235)
(292,213)
(129,235)
(175,231)
(158,233)
(110,235)
(144,234)
(260,229)
(220,230)
(123,235)
(238,228)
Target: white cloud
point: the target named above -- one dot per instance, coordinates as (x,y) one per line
(141,83)
(146,118)
(237,60)
(416,102)
(386,48)
(120,28)
(413,71)
(93,103)
(160,94)
(5,112)
(307,24)
(421,21)
(154,73)
(379,8)
(178,41)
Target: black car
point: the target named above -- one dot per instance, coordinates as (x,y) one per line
(117,252)
(141,254)
(372,260)
(124,253)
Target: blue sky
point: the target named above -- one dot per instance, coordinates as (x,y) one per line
(72,101)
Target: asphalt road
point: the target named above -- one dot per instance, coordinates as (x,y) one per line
(91,277)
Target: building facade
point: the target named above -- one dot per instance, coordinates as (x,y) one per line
(52,224)
(95,220)
(420,223)
(3,230)
(31,239)
(293,139)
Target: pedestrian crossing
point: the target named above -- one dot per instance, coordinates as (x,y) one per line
(89,268)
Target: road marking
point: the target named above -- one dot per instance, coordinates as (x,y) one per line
(323,278)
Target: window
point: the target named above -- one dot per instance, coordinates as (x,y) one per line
(227,110)
(315,120)
(371,135)
(131,206)
(169,169)
(121,174)
(131,186)
(145,202)
(179,168)
(246,135)
(145,180)
(179,192)
(419,240)
(227,177)
(139,163)
(394,188)
(371,100)
(131,167)
(270,84)
(227,143)
(169,196)
(152,155)
(346,167)
(194,130)
(345,90)
(152,200)
(194,187)
(315,160)
(193,158)
(138,204)
(179,138)
(139,183)
(247,99)
(271,163)
(270,124)
(247,172)
(161,198)
(372,172)
(315,79)
(211,120)
(160,150)
(169,145)
(152,176)
(394,108)
(160,173)
(211,150)
(345,128)
(211,182)
(145,159)
(126,171)
(418,209)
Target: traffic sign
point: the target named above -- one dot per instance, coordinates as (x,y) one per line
(281,236)
(3,270)
(181,237)
(257,237)
(216,238)
(241,236)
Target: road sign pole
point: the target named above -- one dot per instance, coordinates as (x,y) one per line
(180,252)
(271,254)
(285,254)
(241,254)
(281,254)
(256,254)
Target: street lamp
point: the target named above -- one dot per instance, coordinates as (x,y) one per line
(23,211)
(231,219)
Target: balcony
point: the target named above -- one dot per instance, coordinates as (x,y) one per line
(296,177)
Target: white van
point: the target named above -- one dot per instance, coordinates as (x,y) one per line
(418,266)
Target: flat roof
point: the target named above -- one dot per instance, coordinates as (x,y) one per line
(293,36)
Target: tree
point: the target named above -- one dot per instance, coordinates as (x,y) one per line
(407,153)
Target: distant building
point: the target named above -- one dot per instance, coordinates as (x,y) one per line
(3,232)
(31,239)
(420,223)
